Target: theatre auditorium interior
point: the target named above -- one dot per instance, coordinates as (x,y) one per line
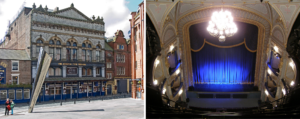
(222,58)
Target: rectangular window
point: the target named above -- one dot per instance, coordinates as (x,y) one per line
(57,71)
(89,59)
(108,64)
(121,71)
(68,54)
(109,75)
(15,65)
(57,54)
(74,55)
(37,51)
(3,94)
(15,79)
(57,91)
(123,58)
(83,55)
(51,52)
(19,94)
(135,64)
(11,94)
(51,90)
(98,56)
(26,93)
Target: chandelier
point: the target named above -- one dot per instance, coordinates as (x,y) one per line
(221,25)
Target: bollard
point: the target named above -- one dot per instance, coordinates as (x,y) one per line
(74,101)
(102,98)
(60,103)
(89,99)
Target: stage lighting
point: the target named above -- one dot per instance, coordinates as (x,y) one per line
(177,71)
(292,83)
(266,92)
(292,64)
(156,63)
(171,47)
(180,92)
(164,91)
(155,82)
(276,48)
(283,91)
(269,71)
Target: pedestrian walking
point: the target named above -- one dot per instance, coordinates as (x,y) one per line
(7,106)
(12,104)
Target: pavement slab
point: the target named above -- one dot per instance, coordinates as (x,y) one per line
(123,108)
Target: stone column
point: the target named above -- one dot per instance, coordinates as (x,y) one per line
(103,71)
(94,71)
(64,71)
(80,71)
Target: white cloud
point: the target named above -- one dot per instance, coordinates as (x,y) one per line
(114,12)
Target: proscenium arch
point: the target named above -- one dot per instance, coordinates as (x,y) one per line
(217,7)
(263,37)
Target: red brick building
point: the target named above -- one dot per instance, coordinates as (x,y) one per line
(15,75)
(118,63)
(137,41)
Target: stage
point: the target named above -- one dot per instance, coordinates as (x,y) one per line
(224,87)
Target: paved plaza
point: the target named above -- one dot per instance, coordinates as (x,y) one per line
(123,108)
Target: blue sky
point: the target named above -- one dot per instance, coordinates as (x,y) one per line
(133,4)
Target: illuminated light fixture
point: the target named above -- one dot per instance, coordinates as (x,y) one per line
(155,82)
(156,63)
(266,92)
(180,92)
(269,71)
(292,64)
(171,47)
(221,25)
(164,91)
(283,91)
(276,48)
(177,71)
(292,83)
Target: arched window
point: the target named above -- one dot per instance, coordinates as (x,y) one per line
(51,42)
(39,41)
(68,43)
(89,71)
(58,43)
(51,72)
(83,44)
(75,44)
(57,72)
(97,47)
(89,46)
(83,72)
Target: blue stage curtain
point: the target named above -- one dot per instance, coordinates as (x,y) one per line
(229,62)
(223,65)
